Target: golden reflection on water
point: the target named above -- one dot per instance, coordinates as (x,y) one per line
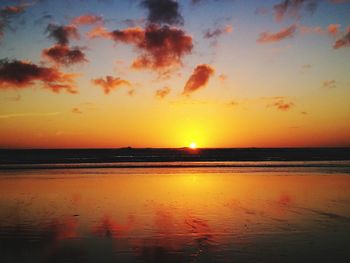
(166,217)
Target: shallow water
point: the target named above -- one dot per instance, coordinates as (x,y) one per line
(218,214)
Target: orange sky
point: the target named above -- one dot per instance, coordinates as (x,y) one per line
(217,73)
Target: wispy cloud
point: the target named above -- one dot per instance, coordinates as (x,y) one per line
(110,83)
(7,14)
(293,8)
(28,114)
(87,19)
(280,103)
(162,93)
(329,84)
(344,41)
(268,37)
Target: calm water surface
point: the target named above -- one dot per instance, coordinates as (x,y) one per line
(274,214)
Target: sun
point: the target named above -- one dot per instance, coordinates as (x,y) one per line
(193,145)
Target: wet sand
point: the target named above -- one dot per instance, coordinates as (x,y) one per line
(175,215)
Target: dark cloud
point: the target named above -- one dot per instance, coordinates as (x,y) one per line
(344,41)
(20,74)
(198,79)
(163,92)
(267,37)
(163,11)
(280,103)
(293,8)
(62,34)
(109,83)
(160,47)
(87,19)
(64,55)
(129,36)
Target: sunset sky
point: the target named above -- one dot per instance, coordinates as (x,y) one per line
(166,73)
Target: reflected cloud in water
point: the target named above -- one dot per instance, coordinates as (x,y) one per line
(175,217)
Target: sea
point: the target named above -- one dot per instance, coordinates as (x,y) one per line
(175,205)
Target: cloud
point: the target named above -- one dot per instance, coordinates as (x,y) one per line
(344,41)
(267,37)
(217,32)
(339,1)
(163,11)
(280,103)
(133,35)
(306,66)
(198,79)
(76,110)
(28,114)
(329,84)
(62,34)
(87,19)
(99,31)
(195,2)
(20,74)
(311,30)
(110,83)
(43,19)
(160,47)
(6,15)
(61,53)
(11,10)
(262,11)
(64,55)
(333,29)
(223,77)
(233,103)
(128,36)
(134,22)
(162,93)
(293,8)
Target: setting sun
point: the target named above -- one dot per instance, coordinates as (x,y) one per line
(193,145)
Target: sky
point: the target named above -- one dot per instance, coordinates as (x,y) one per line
(166,73)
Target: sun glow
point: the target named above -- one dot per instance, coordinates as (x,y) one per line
(193,145)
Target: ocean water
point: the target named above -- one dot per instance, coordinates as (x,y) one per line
(262,212)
